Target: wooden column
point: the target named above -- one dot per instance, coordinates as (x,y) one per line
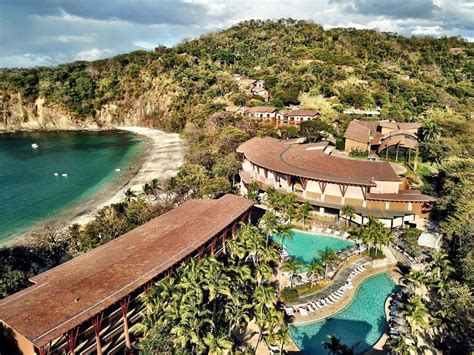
(224,239)
(96,324)
(71,340)
(124,304)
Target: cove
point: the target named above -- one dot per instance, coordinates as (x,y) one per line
(32,186)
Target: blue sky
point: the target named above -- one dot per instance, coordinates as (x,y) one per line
(49,32)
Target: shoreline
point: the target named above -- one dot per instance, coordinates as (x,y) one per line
(151,165)
(161,159)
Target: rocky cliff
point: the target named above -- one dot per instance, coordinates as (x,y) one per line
(148,108)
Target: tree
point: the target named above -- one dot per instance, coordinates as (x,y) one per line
(348,212)
(316,268)
(328,258)
(373,233)
(304,212)
(417,278)
(129,196)
(269,225)
(416,314)
(292,267)
(334,345)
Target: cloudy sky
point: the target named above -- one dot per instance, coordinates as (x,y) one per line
(49,32)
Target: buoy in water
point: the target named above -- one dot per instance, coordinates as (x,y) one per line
(64,174)
(56,174)
(34,146)
(118,169)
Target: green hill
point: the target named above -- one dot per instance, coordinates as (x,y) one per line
(170,86)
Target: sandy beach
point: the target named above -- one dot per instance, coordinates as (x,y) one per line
(161,161)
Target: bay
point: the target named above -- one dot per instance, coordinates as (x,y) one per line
(32,186)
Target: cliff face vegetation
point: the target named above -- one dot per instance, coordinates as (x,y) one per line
(171,86)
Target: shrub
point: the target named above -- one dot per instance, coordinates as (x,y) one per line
(376,254)
(289,294)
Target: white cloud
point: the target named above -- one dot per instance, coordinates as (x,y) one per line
(54,31)
(93,54)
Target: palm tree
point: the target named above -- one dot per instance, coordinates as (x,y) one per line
(147,190)
(417,278)
(348,212)
(269,225)
(334,345)
(129,196)
(316,268)
(283,335)
(401,345)
(304,212)
(416,314)
(283,231)
(430,130)
(292,267)
(290,214)
(217,345)
(440,266)
(328,258)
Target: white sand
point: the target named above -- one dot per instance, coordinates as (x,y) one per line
(162,160)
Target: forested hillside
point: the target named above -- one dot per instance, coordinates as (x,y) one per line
(170,86)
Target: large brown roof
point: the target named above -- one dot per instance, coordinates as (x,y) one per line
(108,273)
(357,132)
(267,109)
(310,161)
(301,113)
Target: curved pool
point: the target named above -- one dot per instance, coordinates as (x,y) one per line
(362,322)
(304,246)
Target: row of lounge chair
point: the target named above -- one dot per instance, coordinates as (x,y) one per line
(331,231)
(331,299)
(397,323)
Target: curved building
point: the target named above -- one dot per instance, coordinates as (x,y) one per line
(329,182)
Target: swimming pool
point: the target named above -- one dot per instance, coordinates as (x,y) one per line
(304,246)
(363,321)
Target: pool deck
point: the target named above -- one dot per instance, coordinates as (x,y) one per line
(346,298)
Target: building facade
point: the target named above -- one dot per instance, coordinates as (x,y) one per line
(88,304)
(294,117)
(329,183)
(378,136)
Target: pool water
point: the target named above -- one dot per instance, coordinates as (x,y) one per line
(362,322)
(304,246)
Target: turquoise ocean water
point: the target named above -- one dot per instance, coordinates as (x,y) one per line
(30,192)
(362,322)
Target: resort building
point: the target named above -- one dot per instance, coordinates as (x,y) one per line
(88,304)
(294,117)
(262,113)
(255,87)
(380,136)
(329,182)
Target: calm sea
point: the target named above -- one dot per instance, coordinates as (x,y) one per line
(30,192)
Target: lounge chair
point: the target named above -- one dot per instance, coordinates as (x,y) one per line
(289,311)
(273,349)
(303,311)
(310,308)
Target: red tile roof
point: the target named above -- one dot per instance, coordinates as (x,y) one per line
(357,132)
(310,161)
(310,113)
(103,276)
(264,109)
